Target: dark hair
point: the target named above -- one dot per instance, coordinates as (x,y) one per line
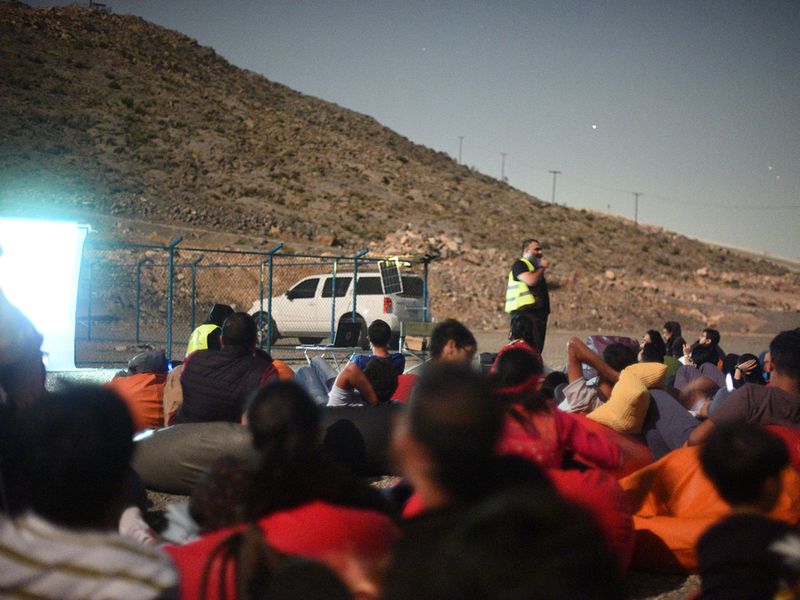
(703,353)
(260,572)
(240,330)
(513,368)
(739,458)
(653,353)
(382,376)
(756,374)
(618,356)
(655,338)
(528,242)
(729,363)
(379,333)
(447,330)
(285,424)
(712,335)
(283,419)
(673,328)
(218,314)
(785,352)
(656,349)
(452,413)
(74,448)
(549,384)
(525,544)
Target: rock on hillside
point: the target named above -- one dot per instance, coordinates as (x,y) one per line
(109,114)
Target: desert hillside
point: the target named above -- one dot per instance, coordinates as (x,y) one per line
(145,133)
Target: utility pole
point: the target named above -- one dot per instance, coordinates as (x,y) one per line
(636,208)
(554,174)
(460,144)
(503,166)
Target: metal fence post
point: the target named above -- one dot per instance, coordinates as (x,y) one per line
(139,295)
(271,254)
(194,287)
(355,280)
(171,274)
(89,304)
(425,315)
(333,299)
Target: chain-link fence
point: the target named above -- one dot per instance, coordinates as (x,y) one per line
(135,296)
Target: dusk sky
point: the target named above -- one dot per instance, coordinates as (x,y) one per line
(696,105)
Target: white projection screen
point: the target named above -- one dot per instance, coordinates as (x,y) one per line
(39,271)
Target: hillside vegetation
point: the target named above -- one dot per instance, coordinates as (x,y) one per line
(109,115)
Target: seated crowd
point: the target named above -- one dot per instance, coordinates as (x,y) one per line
(516,483)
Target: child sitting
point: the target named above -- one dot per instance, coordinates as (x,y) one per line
(747,554)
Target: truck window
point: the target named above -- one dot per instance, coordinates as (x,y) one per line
(412,287)
(369,286)
(305,289)
(342,283)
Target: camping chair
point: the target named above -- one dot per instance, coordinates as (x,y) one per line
(415,340)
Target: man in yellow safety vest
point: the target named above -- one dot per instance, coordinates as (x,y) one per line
(206,336)
(526,295)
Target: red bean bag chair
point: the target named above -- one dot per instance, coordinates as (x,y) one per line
(600,494)
(352,542)
(635,454)
(405,383)
(674,503)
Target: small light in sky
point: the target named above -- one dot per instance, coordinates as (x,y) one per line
(777,177)
(769,168)
(594,125)
(424,49)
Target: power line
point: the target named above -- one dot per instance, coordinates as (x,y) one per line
(681,202)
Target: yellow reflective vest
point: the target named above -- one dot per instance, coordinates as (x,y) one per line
(199,338)
(518,294)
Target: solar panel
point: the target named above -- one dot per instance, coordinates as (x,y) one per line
(390,277)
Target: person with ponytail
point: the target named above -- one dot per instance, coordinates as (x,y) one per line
(301,501)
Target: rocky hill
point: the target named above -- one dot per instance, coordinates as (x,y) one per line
(113,117)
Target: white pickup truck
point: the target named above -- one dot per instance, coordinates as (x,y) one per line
(307,309)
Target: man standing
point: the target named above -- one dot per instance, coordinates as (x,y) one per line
(526,294)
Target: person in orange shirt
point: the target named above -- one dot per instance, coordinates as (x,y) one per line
(142,388)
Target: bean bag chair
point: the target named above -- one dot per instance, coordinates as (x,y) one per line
(635,454)
(601,496)
(405,383)
(348,429)
(352,542)
(172,460)
(674,503)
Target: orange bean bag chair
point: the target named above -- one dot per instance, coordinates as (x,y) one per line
(674,503)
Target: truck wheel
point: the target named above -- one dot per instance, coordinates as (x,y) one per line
(363,342)
(266,325)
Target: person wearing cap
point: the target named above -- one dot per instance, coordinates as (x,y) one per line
(142,388)
(206,336)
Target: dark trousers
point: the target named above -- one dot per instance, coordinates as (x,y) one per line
(538,326)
